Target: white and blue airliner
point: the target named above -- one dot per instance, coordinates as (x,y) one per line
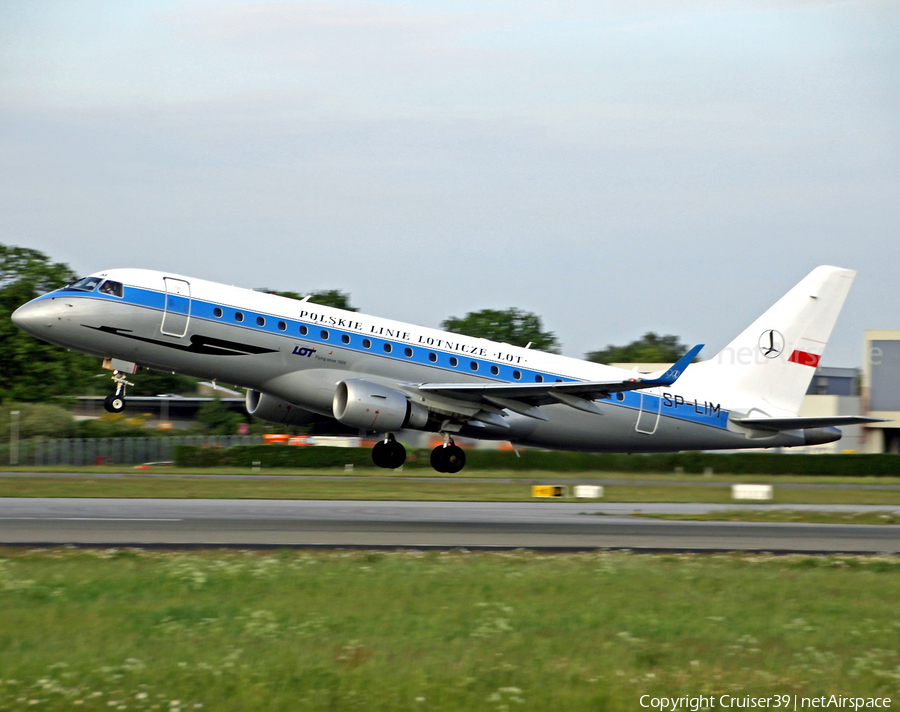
(300,361)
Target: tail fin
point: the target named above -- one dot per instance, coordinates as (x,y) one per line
(774,359)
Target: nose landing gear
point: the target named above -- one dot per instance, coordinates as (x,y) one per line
(115,403)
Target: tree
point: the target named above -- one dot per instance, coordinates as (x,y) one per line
(31,370)
(326,297)
(217,418)
(650,348)
(36,420)
(512,326)
(22,264)
(332,298)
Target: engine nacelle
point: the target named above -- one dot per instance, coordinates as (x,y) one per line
(371,406)
(275,410)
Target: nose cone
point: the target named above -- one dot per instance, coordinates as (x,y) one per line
(30,317)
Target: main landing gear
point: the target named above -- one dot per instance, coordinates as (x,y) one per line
(449,457)
(115,403)
(388,453)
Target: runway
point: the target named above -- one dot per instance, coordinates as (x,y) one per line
(308,523)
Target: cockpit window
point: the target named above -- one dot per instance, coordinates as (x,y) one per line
(85,284)
(112,288)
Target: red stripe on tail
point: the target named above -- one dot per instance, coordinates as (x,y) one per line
(804,358)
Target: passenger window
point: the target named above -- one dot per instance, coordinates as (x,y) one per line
(304,330)
(517,375)
(454,361)
(238,316)
(620,396)
(345,339)
(282,326)
(217,312)
(407,352)
(388,348)
(432,357)
(495,370)
(260,321)
(473,365)
(324,334)
(367,343)
(538,378)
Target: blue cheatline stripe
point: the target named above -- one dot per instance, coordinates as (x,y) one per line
(697,412)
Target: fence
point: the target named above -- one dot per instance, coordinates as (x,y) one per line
(113,451)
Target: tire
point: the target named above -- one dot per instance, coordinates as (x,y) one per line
(380,454)
(388,454)
(448,459)
(396,455)
(438,461)
(455,459)
(114,404)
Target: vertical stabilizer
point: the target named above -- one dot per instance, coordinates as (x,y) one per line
(773,361)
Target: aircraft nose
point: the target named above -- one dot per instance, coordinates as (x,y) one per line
(30,317)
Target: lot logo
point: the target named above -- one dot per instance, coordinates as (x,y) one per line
(303,351)
(771,343)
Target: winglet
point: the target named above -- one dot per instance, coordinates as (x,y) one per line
(672,374)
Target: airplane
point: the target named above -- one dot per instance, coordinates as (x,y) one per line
(300,361)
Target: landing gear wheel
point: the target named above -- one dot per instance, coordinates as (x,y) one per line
(114,403)
(448,458)
(388,454)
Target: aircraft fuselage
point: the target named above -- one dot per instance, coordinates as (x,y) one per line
(298,352)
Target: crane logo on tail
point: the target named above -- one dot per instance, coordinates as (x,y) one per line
(771,343)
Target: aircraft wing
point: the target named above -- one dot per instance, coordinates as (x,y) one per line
(524,397)
(801,423)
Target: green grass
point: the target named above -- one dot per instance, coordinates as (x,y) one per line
(396,488)
(262,489)
(102,630)
(784,515)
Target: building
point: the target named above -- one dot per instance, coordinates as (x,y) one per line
(880,389)
(834,391)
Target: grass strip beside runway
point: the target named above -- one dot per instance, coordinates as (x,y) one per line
(297,630)
(410,473)
(398,489)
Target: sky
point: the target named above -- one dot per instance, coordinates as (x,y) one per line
(614,167)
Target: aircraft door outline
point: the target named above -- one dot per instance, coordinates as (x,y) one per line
(648,416)
(177,310)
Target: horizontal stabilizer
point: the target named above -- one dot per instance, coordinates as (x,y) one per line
(801,423)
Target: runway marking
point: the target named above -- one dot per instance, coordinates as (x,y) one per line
(89,519)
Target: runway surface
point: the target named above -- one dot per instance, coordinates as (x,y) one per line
(542,525)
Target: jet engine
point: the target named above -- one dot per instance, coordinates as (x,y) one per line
(371,406)
(275,410)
